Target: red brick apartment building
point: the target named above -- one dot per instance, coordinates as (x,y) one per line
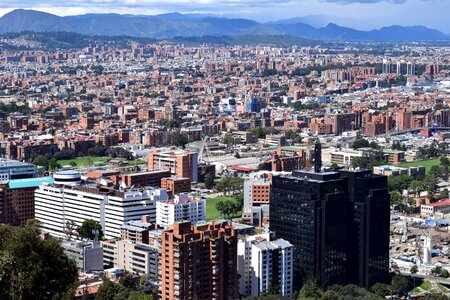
(199,262)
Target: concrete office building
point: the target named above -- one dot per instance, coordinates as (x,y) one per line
(181,208)
(13,169)
(256,194)
(17,200)
(55,205)
(87,255)
(264,264)
(199,262)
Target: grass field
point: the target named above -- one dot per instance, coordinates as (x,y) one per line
(211,211)
(85,161)
(426,163)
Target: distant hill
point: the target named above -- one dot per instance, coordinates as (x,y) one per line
(191,25)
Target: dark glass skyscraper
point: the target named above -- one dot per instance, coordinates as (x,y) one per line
(338,223)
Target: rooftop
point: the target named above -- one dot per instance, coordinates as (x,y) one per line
(29,182)
(440,203)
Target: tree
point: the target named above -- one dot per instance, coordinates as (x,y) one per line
(97,150)
(41,161)
(180,139)
(430,184)
(228,140)
(70,229)
(399,284)
(413,269)
(228,208)
(396,198)
(444,273)
(437,171)
(381,289)
(293,136)
(32,268)
(108,290)
(240,199)
(360,143)
(369,160)
(334,166)
(53,164)
(209,180)
(310,290)
(90,229)
(399,183)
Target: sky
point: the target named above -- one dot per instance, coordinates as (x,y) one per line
(360,14)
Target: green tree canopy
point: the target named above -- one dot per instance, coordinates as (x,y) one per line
(32,268)
(90,229)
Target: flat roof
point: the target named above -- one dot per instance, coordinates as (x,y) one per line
(29,182)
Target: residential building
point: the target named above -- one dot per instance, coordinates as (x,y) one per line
(264,264)
(199,262)
(181,208)
(136,258)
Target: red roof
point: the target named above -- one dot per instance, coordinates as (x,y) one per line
(241,168)
(440,203)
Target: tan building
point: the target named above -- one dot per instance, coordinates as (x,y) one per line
(136,258)
(199,262)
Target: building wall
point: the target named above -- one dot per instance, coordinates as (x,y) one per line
(199,262)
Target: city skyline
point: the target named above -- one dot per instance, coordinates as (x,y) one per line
(359,14)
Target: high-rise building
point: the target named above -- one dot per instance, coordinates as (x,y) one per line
(181,163)
(17,200)
(199,262)
(367,227)
(338,223)
(387,67)
(56,205)
(410,69)
(264,264)
(308,210)
(399,68)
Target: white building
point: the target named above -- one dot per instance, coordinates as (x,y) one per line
(435,209)
(56,205)
(262,263)
(182,208)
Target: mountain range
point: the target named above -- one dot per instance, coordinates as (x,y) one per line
(192,25)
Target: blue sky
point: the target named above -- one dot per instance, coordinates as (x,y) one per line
(362,14)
